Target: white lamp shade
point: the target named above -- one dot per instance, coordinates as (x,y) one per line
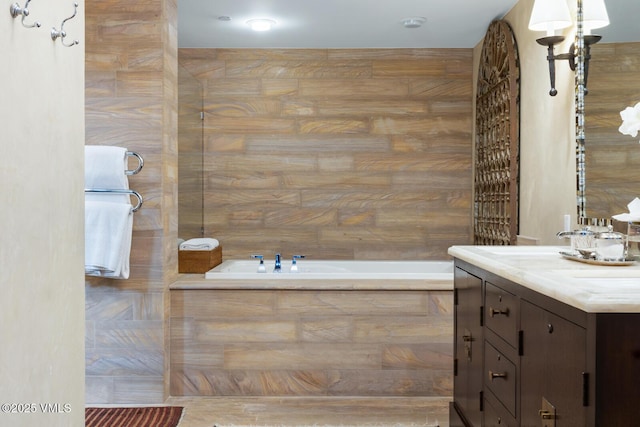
(594,14)
(549,15)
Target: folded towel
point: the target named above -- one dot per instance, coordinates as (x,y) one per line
(634,212)
(108,228)
(201,244)
(104,167)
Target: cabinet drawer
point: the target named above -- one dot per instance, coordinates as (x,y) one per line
(501,312)
(495,415)
(500,377)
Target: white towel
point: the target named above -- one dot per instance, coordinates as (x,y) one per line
(104,167)
(108,228)
(201,244)
(634,212)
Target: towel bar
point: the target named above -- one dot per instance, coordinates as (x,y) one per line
(116,191)
(140,163)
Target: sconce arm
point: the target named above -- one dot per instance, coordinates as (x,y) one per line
(550,42)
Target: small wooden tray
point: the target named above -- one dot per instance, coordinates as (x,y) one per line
(580,258)
(198,261)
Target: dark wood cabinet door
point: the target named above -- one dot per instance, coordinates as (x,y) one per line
(468,346)
(552,368)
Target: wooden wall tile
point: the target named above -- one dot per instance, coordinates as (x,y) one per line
(326,127)
(131,102)
(312,343)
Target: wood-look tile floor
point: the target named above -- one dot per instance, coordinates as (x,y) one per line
(313,411)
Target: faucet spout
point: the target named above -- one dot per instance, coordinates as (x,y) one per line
(278,266)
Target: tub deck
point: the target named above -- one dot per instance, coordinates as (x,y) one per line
(197,282)
(324,275)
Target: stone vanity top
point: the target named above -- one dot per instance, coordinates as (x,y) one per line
(591,288)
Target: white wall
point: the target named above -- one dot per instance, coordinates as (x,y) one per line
(41,220)
(547,138)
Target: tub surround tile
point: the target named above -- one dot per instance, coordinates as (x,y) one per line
(326,125)
(314,342)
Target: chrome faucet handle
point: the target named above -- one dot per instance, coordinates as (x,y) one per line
(261,266)
(278,267)
(294,264)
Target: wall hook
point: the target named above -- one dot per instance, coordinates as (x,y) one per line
(16,11)
(62,33)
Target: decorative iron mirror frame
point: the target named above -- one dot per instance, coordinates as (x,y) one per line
(497,139)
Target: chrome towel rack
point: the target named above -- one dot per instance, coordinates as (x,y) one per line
(114,191)
(140,163)
(124,191)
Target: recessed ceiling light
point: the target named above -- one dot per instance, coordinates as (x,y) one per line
(414,22)
(261,24)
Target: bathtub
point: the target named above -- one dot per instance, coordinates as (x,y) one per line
(435,275)
(334,269)
(334,328)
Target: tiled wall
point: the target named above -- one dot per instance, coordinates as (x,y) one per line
(311,343)
(189,155)
(131,101)
(354,154)
(338,154)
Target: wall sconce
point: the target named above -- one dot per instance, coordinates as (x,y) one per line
(552,15)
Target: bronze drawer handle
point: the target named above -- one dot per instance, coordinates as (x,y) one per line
(546,415)
(493,375)
(494,312)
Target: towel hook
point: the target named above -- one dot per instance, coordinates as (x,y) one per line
(16,11)
(62,33)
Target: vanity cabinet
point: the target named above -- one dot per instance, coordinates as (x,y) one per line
(531,360)
(468,349)
(553,368)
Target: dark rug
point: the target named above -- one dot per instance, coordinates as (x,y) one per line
(152,416)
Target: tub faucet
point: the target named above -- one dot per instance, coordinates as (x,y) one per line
(294,264)
(278,267)
(261,267)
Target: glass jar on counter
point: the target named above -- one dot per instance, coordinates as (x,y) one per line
(633,241)
(610,246)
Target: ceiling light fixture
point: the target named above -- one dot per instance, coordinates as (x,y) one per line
(414,22)
(261,24)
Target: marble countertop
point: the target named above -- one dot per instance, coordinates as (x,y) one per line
(591,288)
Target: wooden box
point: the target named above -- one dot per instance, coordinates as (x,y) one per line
(198,261)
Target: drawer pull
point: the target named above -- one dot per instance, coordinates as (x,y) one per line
(493,312)
(546,415)
(493,375)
